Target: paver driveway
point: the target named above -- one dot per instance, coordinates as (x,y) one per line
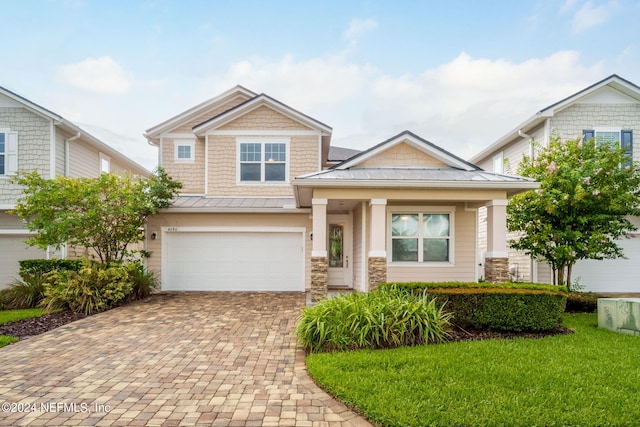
(176,359)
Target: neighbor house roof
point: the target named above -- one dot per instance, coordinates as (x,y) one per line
(340,154)
(72,128)
(614,82)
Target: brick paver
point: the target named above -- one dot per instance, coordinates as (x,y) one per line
(178,359)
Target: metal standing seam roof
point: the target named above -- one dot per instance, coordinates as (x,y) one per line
(412,175)
(202,202)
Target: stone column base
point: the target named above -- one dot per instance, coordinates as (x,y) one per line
(496,270)
(377,268)
(319,278)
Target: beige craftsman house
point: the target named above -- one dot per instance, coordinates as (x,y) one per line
(34,138)
(608,110)
(268,204)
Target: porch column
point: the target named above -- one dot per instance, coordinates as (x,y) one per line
(377,257)
(319,260)
(496,266)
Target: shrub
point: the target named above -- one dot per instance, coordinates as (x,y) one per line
(502,307)
(379,319)
(94,288)
(144,281)
(25,292)
(582,302)
(29,267)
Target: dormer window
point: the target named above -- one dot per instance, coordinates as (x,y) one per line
(262,161)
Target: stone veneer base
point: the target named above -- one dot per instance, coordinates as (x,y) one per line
(496,270)
(377,268)
(319,278)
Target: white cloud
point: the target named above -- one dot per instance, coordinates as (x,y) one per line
(358,27)
(99,75)
(590,15)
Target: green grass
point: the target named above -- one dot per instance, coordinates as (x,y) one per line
(590,378)
(7,316)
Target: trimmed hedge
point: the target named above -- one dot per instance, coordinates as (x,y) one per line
(503,307)
(582,302)
(30,267)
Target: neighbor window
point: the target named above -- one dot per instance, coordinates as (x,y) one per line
(8,152)
(105,164)
(498,163)
(613,136)
(263,161)
(420,237)
(184,150)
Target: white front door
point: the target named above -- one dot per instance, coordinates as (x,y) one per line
(340,251)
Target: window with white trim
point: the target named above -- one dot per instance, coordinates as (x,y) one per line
(262,161)
(498,163)
(184,150)
(8,152)
(421,237)
(610,135)
(105,163)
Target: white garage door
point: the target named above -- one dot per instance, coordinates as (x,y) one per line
(616,275)
(233,261)
(12,250)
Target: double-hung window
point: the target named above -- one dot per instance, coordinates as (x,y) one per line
(8,152)
(421,237)
(262,161)
(613,136)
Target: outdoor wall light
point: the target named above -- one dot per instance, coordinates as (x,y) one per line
(154,235)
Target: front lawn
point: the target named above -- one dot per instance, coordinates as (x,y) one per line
(7,316)
(590,378)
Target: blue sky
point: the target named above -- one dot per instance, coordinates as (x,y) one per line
(458,73)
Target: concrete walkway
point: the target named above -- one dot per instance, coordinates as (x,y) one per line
(178,359)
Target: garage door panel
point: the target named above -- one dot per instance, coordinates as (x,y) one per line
(233,261)
(12,250)
(612,275)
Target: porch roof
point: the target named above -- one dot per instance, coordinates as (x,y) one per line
(409,178)
(232,204)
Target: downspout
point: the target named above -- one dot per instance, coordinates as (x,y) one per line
(64,252)
(533,265)
(66,152)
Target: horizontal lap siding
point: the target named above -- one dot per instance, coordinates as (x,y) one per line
(464,268)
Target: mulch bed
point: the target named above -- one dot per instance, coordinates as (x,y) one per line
(38,325)
(459,334)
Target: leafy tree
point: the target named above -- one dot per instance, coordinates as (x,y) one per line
(106,214)
(587,191)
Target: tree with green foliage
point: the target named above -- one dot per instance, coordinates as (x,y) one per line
(106,214)
(587,191)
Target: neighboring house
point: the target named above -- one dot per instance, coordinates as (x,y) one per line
(608,110)
(34,138)
(268,205)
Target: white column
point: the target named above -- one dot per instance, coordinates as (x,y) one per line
(378,245)
(319,214)
(497,229)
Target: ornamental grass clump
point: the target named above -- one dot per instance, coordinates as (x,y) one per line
(384,318)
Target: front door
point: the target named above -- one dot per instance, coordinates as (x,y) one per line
(339,248)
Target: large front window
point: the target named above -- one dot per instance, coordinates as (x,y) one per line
(263,161)
(420,237)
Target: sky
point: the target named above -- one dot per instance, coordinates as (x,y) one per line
(460,74)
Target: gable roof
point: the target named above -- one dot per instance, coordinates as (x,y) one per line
(614,82)
(340,154)
(72,128)
(173,121)
(254,103)
(415,141)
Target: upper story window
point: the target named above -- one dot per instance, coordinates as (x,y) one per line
(184,150)
(498,163)
(8,152)
(105,163)
(613,136)
(262,161)
(421,237)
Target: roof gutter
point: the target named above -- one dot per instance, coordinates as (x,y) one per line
(528,184)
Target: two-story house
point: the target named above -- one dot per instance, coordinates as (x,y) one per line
(34,138)
(608,110)
(269,205)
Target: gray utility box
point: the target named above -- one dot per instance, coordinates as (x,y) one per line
(620,315)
